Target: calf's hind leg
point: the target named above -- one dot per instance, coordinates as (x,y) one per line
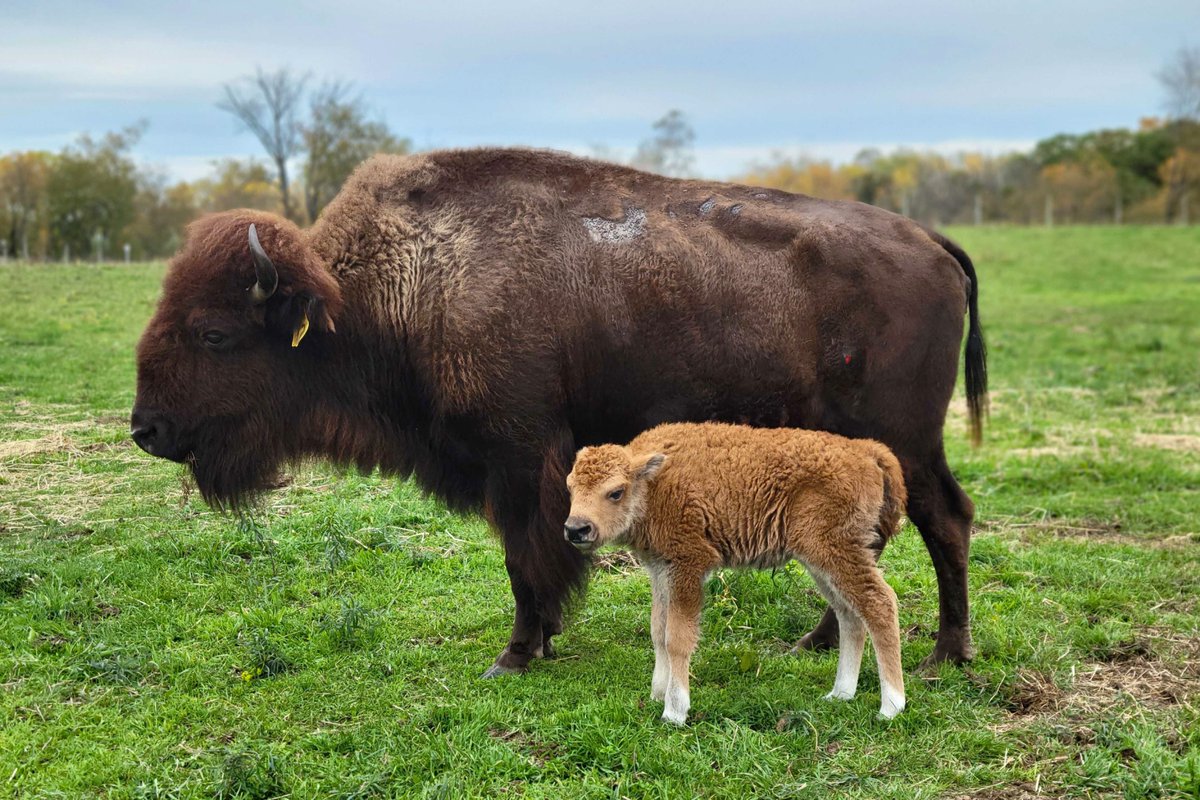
(861,586)
(852,638)
(825,635)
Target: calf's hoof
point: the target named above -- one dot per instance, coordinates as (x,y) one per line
(675,718)
(838,695)
(890,708)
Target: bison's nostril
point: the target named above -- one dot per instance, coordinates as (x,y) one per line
(153,433)
(145,436)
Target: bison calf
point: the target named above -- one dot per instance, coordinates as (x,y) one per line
(688,498)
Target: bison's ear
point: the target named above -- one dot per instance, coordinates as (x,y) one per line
(647,467)
(298,314)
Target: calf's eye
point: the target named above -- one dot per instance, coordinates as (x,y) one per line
(213,338)
(616,494)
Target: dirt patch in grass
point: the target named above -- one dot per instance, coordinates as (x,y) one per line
(538,752)
(53,443)
(1033,693)
(1155,669)
(1092,531)
(617,561)
(1048,451)
(1017,790)
(1179,442)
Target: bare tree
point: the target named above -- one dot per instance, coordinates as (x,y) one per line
(669,151)
(266,105)
(338,136)
(1180,79)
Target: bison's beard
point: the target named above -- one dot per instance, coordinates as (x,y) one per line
(232,466)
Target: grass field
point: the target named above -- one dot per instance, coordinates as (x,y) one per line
(331,646)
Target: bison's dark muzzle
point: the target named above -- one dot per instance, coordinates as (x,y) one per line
(154,433)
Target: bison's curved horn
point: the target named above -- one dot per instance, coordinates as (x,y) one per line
(264,270)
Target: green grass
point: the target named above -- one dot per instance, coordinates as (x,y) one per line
(332,646)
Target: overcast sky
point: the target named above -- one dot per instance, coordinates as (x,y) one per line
(819,78)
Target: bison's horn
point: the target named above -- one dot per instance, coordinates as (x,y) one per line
(264,270)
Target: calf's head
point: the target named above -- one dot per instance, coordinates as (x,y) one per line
(608,487)
(226,365)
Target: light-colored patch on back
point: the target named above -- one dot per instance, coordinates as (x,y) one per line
(606,231)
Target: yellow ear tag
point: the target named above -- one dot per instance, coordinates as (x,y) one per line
(301,329)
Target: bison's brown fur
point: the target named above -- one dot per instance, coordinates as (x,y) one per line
(477,316)
(690,498)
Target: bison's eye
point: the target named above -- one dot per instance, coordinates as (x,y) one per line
(213,338)
(616,494)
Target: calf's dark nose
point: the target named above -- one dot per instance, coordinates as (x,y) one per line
(578,531)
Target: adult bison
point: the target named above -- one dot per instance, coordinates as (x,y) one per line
(472,318)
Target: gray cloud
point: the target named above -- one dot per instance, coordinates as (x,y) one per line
(752,76)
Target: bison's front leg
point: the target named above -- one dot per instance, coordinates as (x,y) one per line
(543,568)
(527,640)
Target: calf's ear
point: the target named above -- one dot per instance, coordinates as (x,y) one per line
(647,467)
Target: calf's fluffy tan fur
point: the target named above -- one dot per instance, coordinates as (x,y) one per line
(688,498)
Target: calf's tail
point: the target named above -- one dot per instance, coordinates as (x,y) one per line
(895,495)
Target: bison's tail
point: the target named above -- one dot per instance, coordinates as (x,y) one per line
(895,495)
(976,355)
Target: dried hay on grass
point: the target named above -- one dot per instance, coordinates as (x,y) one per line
(1158,669)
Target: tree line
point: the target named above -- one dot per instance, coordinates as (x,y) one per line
(92,199)
(1150,174)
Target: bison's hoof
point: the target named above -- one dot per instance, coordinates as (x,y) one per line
(814,641)
(498,669)
(949,651)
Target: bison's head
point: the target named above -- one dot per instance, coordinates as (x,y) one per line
(608,486)
(227,364)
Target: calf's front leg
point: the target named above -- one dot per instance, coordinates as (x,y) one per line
(660,590)
(683,630)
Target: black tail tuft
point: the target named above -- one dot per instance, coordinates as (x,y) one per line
(976,352)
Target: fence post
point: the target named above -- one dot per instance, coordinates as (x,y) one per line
(3,251)
(978,208)
(1049,211)
(127,248)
